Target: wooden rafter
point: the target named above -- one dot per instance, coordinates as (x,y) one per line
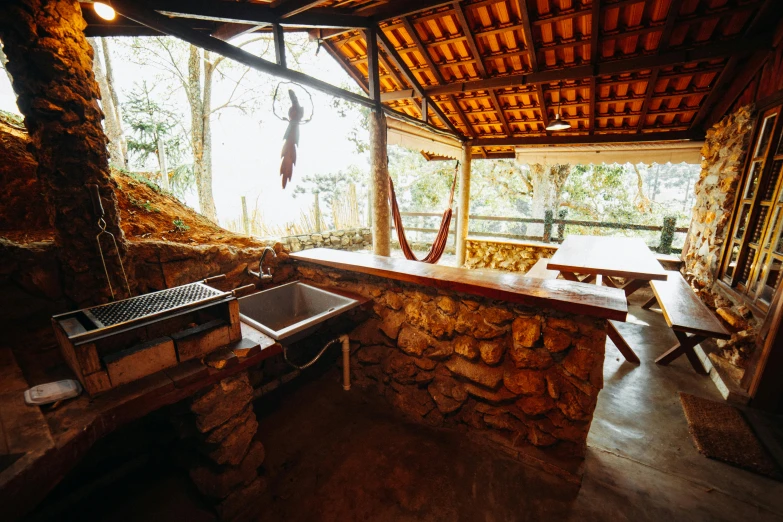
(595,55)
(373,71)
(419,45)
(461,114)
(400,64)
(399,8)
(279,38)
(289,8)
(352,72)
(463,23)
(561,139)
(663,46)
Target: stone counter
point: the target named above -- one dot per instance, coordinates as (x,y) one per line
(520,373)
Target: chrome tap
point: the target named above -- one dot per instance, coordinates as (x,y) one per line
(261,274)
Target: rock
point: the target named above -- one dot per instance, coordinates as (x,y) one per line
(428,317)
(391,324)
(234,447)
(733,319)
(526,331)
(372,354)
(525,382)
(582,362)
(536,405)
(559,323)
(467,347)
(394,300)
(492,351)
(242,504)
(540,438)
(472,323)
(497,316)
(222,401)
(493,396)
(556,340)
(412,401)
(441,392)
(222,431)
(401,368)
(425,364)
(218,481)
(479,373)
(447,305)
(413,341)
(533,358)
(369,333)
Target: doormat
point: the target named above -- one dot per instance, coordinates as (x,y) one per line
(720,432)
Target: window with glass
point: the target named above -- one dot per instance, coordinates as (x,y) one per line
(753,259)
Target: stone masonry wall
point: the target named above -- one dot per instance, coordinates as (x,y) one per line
(349,239)
(724,152)
(522,378)
(514,256)
(721,169)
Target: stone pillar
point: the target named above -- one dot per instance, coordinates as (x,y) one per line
(464,204)
(379,164)
(225,467)
(51,64)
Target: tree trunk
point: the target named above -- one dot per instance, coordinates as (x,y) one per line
(547,181)
(112,126)
(58,96)
(379,181)
(114,98)
(206,197)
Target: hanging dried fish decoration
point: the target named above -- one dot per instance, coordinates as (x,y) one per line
(291,138)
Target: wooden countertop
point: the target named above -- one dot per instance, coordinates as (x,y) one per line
(566,296)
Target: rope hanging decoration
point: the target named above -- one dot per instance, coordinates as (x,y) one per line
(296,113)
(439,245)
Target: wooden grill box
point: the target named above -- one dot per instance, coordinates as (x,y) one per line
(120,342)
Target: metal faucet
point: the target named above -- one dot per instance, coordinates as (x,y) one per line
(261,274)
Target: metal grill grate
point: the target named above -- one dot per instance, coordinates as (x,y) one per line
(151,304)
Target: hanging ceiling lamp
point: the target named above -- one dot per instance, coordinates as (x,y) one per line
(103,10)
(558,124)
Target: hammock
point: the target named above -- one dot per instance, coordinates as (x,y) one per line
(435,253)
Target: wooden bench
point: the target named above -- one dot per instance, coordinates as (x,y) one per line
(689,318)
(540,271)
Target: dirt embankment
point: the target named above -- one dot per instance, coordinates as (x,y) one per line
(146,212)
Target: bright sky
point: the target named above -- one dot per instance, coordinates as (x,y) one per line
(246,148)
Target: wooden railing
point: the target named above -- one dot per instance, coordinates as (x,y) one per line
(554,229)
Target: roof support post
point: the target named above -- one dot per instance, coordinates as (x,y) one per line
(277,31)
(464,204)
(379,168)
(373,70)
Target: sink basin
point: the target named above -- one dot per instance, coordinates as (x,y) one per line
(292,311)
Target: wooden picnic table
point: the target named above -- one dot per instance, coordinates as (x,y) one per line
(601,259)
(583,258)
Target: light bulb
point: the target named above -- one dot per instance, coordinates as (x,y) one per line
(104,11)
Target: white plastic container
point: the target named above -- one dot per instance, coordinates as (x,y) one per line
(52,392)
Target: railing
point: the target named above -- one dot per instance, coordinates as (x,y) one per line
(557,226)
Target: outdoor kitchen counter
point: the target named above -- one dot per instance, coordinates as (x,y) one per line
(561,295)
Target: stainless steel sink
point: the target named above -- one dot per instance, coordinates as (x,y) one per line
(292,311)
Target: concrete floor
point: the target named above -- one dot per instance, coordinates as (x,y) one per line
(333,455)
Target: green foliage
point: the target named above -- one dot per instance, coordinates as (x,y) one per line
(144,205)
(180,225)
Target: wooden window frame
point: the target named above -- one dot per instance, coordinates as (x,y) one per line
(765,229)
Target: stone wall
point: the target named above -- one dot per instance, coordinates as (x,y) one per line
(724,152)
(349,239)
(721,169)
(523,379)
(514,256)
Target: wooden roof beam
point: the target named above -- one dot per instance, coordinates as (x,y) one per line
(145,15)
(663,45)
(563,139)
(463,23)
(611,68)
(289,8)
(595,56)
(399,8)
(398,62)
(411,30)
(242,12)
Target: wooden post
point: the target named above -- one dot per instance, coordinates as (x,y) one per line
(317,212)
(464,204)
(548,221)
(245,218)
(381,236)
(164,167)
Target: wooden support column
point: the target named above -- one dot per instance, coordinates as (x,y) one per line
(464,204)
(51,63)
(379,166)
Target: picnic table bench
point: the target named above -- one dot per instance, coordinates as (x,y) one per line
(689,318)
(540,271)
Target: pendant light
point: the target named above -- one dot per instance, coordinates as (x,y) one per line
(104,10)
(558,124)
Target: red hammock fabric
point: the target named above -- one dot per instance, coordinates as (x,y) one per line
(439,246)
